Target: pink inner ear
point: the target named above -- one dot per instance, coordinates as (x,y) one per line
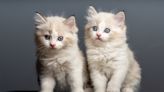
(70,21)
(120,16)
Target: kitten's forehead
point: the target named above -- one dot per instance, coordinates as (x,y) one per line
(56,25)
(57,33)
(102,24)
(103,18)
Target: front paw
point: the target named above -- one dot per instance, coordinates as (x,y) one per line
(46,91)
(78,90)
(113,89)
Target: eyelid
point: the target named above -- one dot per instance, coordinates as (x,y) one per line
(47,37)
(94,28)
(60,37)
(107,30)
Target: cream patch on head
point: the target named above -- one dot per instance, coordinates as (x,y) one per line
(55,32)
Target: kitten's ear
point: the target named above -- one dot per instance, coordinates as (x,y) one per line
(70,22)
(39,18)
(120,17)
(91,11)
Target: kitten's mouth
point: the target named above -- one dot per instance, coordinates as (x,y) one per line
(53,47)
(98,38)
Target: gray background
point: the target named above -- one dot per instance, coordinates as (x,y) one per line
(145,20)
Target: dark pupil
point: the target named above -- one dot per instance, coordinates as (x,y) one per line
(47,37)
(60,38)
(94,28)
(107,30)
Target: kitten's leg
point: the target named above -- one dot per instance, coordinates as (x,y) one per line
(47,84)
(86,81)
(133,78)
(75,80)
(131,85)
(115,83)
(99,81)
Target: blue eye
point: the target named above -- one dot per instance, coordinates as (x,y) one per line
(60,38)
(94,28)
(107,30)
(47,37)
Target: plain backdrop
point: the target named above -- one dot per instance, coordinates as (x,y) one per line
(145,21)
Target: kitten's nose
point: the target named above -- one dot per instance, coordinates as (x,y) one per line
(52,45)
(98,34)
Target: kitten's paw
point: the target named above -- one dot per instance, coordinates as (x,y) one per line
(78,90)
(113,89)
(46,91)
(127,90)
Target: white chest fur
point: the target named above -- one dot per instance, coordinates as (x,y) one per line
(106,60)
(59,67)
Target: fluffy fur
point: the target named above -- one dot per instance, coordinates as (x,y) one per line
(112,65)
(60,62)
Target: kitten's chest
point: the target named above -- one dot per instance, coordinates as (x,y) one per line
(102,59)
(104,55)
(106,60)
(58,65)
(61,66)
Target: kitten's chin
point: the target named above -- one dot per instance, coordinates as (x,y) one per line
(52,48)
(55,48)
(98,40)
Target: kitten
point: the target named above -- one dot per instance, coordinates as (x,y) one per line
(112,65)
(60,60)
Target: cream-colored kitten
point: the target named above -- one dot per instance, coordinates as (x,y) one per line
(112,65)
(59,58)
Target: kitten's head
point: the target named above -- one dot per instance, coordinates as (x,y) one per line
(54,32)
(105,26)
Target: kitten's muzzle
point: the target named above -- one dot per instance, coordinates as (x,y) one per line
(52,45)
(98,35)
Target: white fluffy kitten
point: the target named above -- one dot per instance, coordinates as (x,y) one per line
(59,58)
(112,65)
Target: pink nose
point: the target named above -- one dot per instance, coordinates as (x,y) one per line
(52,45)
(98,34)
